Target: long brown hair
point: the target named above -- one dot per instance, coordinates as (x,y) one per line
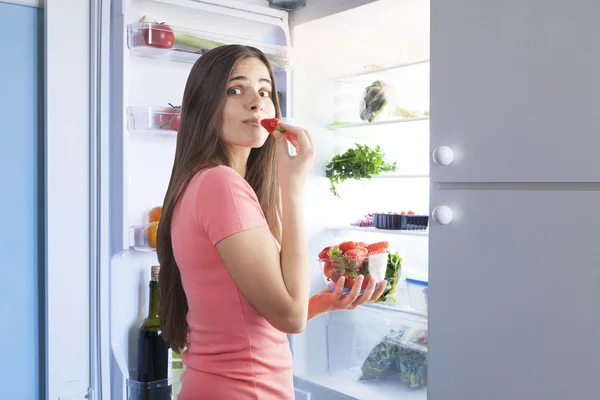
(199,146)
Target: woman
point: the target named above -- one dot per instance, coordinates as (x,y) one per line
(235,269)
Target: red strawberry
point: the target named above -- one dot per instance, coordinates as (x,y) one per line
(329,269)
(361,244)
(270,124)
(345,246)
(349,282)
(376,247)
(366,281)
(357,255)
(361,250)
(378,251)
(335,277)
(324,253)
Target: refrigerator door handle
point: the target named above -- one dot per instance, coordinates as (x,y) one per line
(443,155)
(443,215)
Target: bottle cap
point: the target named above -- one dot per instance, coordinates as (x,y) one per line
(154,273)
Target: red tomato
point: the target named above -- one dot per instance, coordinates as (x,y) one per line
(169,120)
(158,35)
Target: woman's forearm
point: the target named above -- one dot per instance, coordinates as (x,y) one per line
(316,306)
(295,263)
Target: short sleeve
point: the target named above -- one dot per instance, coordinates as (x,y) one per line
(225,204)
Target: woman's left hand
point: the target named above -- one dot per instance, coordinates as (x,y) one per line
(326,300)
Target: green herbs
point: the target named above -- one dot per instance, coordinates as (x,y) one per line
(392,274)
(360,162)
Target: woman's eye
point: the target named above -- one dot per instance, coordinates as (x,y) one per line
(265,93)
(234,91)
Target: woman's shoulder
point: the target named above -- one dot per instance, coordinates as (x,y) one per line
(219,174)
(220,178)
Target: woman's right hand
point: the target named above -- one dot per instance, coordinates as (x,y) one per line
(293,170)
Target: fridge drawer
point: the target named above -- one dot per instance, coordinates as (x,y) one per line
(378,352)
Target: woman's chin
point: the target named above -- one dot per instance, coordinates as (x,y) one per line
(260,141)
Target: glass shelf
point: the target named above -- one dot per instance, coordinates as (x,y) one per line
(370,229)
(377,128)
(388,73)
(403,311)
(380,97)
(154,40)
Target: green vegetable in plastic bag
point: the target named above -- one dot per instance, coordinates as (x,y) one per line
(392,357)
(375,98)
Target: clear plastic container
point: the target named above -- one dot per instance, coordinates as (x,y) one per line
(378,352)
(157,390)
(372,267)
(143,237)
(164,120)
(417,293)
(156,40)
(400,222)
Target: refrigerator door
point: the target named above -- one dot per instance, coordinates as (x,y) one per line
(70,335)
(513,295)
(515,90)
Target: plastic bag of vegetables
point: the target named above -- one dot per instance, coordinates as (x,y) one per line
(374,99)
(394,356)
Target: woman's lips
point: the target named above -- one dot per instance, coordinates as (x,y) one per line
(252,122)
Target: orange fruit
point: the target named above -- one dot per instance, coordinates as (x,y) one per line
(154,214)
(151,231)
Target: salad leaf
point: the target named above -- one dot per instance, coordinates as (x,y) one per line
(392,274)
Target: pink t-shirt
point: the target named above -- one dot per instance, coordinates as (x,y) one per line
(233,352)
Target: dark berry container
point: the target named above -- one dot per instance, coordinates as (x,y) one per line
(400,222)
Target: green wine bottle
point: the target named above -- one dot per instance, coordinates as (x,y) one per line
(154,354)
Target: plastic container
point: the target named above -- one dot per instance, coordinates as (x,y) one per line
(400,222)
(157,390)
(372,267)
(148,39)
(417,293)
(163,120)
(143,237)
(377,353)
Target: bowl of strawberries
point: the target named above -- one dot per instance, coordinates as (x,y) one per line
(351,259)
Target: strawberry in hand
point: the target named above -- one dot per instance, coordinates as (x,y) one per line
(270,124)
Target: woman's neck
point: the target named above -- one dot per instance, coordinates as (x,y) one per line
(238,158)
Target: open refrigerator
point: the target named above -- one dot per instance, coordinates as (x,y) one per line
(322,68)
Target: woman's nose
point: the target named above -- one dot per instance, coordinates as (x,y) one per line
(257,103)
